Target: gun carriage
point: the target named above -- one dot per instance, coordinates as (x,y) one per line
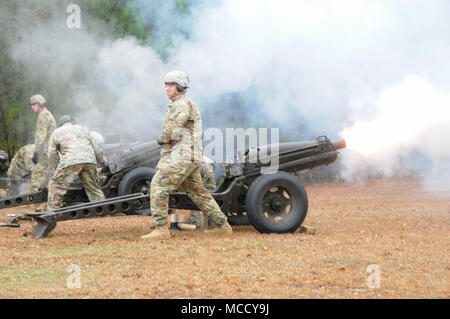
(272,203)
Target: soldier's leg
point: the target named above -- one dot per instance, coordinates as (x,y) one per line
(161,161)
(89,179)
(39,175)
(59,185)
(194,188)
(166,181)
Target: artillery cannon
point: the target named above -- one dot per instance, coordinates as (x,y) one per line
(272,203)
(130,168)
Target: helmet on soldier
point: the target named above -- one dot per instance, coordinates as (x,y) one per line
(38,99)
(65,119)
(177,77)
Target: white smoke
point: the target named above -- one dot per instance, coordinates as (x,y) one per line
(413,115)
(333,66)
(374,72)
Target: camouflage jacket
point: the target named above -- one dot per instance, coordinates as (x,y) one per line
(182,129)
(72,144)
(22,163)
(45,125)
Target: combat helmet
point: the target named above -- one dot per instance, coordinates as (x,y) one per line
(39,99)
(64,119)
(177,77)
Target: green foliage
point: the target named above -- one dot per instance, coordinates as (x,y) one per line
(110,19)
(118,17)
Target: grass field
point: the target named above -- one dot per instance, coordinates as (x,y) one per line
(391,224)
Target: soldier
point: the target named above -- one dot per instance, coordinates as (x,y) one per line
(45,125)
(22,162)
(179,165)
(21,167)
(74,153)
(4,162)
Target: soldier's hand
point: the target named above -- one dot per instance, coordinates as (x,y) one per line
(35,157)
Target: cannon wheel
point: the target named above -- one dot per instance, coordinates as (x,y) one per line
(137,180)
(276,203)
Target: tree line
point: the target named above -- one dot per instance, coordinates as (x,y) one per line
(109,19)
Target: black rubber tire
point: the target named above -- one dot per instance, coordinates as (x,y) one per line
(260,191)
(239,219)
(133,182)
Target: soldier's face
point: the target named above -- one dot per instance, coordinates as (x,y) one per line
(35,107)
(171,89)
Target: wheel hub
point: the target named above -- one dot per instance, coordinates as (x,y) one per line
(276,204)
(275,201)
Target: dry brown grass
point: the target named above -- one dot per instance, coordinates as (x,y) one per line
(389,223)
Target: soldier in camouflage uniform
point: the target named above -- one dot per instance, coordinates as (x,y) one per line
(179,166)
(74,153)
(4,162)
(22,163)
(207,173)
(45,125)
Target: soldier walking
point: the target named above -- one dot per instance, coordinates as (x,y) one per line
(74,153)
(45,125)
(179,165)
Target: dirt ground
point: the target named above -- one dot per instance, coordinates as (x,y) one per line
(379,239)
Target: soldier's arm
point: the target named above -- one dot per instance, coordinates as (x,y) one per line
(52,153)
(97,150)
(177,118)
(12,168)
(39,135)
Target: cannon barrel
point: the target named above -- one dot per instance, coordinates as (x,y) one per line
(137,154)
(339,144)
(292,156)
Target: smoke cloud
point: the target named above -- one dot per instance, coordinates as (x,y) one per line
(375,73)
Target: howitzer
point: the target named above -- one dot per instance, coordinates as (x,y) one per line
(128,170)
(272,203)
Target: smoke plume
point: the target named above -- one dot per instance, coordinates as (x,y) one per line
(373,72)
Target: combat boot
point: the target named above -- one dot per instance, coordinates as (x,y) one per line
(225,228)
(159,233)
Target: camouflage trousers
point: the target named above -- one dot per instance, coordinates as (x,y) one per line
(62,178)
(39,174)
(207,174)
(184,176)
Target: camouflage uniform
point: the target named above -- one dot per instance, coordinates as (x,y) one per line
(45,125)
(179,166)
(207,174)
(78,157)
(4,162)
(22,163)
